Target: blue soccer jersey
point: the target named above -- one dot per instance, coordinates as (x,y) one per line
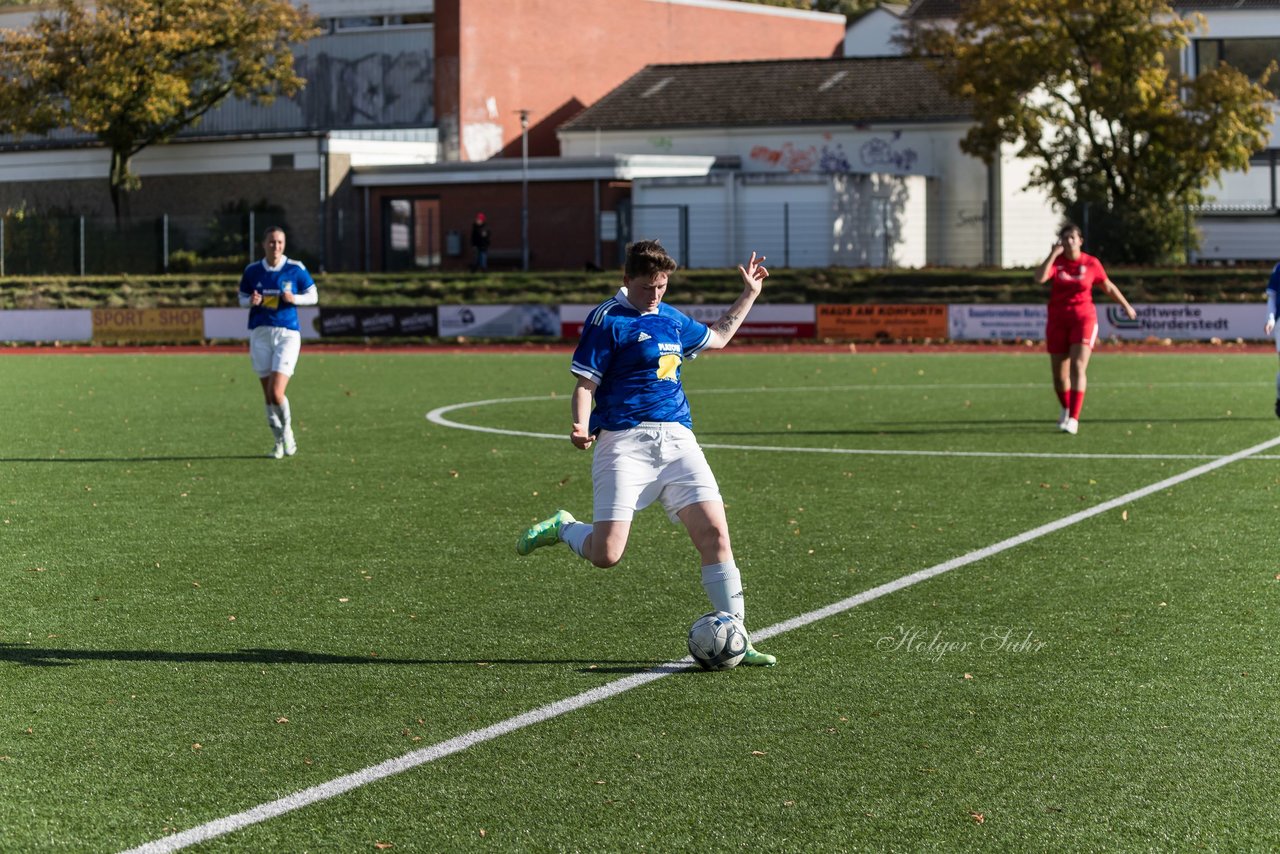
(635,360)
(288,276)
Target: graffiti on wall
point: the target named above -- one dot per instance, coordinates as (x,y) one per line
(877,155)
(371,90)
(881,153)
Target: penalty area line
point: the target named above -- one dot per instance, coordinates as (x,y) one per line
(422,756)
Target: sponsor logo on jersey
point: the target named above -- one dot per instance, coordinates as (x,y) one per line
(668,365)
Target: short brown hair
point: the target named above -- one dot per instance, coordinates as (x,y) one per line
(1069,227)
(646,257)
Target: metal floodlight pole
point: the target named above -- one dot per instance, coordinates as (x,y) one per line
(524,190)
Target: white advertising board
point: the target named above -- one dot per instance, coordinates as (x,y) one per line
(1177,321)
(498,321)
(1184,321)
(53,324)
(234,322)
(996,322)
(764,321)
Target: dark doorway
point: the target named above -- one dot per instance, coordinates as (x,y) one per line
(411,233)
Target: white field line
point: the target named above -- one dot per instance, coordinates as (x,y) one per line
(373,773)
(437,416)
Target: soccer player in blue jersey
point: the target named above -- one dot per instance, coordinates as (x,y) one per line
(628,365)
(1273,298)
(272,289)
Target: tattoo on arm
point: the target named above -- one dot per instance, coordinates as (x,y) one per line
(727,324)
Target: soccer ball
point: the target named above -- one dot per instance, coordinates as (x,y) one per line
(717,640)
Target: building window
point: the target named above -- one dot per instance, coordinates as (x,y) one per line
(281,162)
(1250,56)
(358,23)
(378,22)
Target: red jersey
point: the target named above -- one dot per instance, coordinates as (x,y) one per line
(1071,282)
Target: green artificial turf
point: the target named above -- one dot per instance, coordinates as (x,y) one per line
(191,629)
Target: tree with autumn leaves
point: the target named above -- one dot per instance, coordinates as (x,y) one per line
(135,72)
(1091,92)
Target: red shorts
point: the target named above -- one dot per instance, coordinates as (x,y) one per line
(1069,326)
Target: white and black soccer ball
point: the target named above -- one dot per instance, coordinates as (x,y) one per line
(717,640)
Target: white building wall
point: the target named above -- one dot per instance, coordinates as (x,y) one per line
(853,197)
(1239,189)
(1239,239)
(958,210)
(831,149)
(1252,189)
(845,220)
(1028,220)
(789,223)
(202,158)
(662,209)
(873,33)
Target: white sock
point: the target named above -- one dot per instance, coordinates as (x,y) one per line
(574,535)
(286,418)
(274,421)
(723,584)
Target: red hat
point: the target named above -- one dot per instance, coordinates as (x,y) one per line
(479,217)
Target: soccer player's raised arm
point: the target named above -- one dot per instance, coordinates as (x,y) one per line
(753,275)
(1046,269)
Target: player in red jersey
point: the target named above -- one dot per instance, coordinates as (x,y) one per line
(1072,329)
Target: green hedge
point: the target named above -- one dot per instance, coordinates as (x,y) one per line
(831,285)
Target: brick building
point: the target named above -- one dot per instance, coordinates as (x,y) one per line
(420,86)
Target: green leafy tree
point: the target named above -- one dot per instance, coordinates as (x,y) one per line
(1091,92)
(135,72)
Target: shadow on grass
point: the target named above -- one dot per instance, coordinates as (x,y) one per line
(175,459)
(34,656)
(916,428)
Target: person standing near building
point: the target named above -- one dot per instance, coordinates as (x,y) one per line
(480,238)
(1072,329)
(272,289)
(629,401)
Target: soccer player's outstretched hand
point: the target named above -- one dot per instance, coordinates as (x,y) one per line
(1270,325)
(754,273)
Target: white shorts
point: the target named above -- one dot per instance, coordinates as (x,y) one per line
(274,350)
(651,461)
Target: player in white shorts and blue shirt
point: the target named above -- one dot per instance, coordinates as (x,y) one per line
(627,365)
(1273,297)
(272,289)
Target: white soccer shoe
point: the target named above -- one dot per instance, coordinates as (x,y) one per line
(1066,416)
(277,451)
(1072,426)
(290,444)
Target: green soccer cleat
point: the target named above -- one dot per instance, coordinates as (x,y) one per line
(751,658)
(545,533)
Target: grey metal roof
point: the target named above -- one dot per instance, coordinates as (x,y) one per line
(1215,5)
(950,9)
(857,90)
(932,9)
